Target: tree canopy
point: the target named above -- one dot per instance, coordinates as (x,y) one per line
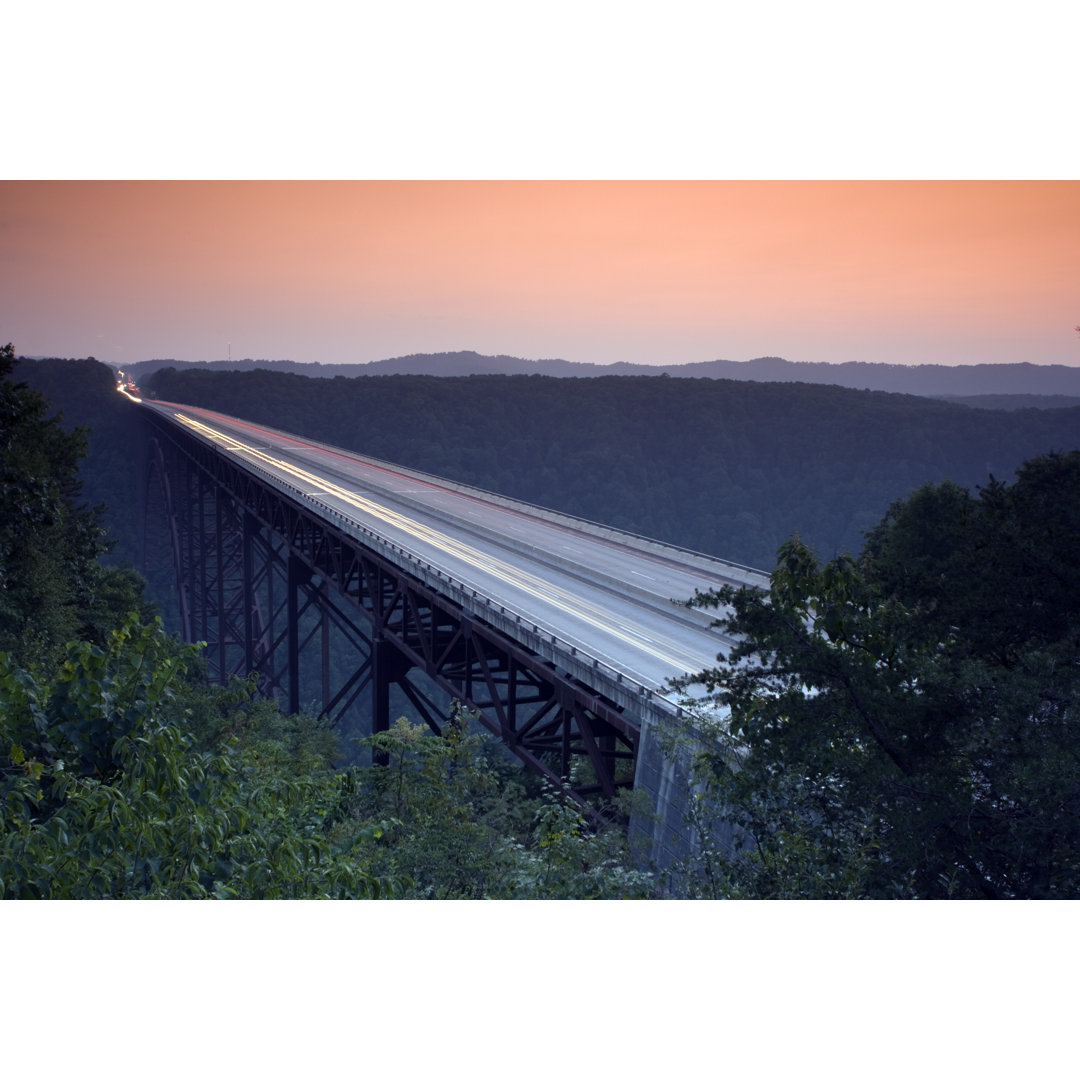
(904,723)
(52,586)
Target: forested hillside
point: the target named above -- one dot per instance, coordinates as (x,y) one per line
(84,393)
(728,468)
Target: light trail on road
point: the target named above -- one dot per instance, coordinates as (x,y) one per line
(529,583)
(609,595)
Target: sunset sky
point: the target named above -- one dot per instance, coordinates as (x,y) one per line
(950,272)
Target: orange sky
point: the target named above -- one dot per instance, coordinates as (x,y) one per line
(949,272)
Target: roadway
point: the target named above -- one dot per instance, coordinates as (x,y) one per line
(611,596)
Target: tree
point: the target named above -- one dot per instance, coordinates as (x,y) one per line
(52,588)
(119,775)
(1004,562)
(904,724)
(105,791)
(466,828)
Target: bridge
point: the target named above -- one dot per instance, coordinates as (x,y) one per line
(362,589)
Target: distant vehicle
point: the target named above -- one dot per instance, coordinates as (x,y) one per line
(125,385)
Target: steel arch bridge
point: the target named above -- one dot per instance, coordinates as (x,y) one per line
(327,618)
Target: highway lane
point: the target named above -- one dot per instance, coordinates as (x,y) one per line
(611,596)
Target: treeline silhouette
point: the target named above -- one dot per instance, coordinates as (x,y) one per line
(84,393)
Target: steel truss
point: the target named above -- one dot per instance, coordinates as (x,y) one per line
(325,620)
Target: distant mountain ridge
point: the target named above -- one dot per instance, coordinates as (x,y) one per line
(924,380)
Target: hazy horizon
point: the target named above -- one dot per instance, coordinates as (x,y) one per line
(645,272)
(536,360)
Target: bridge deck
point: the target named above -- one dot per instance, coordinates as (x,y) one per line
(611,595)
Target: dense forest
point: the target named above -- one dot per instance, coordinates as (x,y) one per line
(112,471)
(728,468)
(897,723)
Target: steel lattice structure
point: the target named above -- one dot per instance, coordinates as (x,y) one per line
(325,616)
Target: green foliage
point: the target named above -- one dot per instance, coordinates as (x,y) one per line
(122,779)
(48,547)
(52,586)
(112,473)
(466,828)
(1004,562)
(105,795)
(567,859)
(443,792)
(902,725)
